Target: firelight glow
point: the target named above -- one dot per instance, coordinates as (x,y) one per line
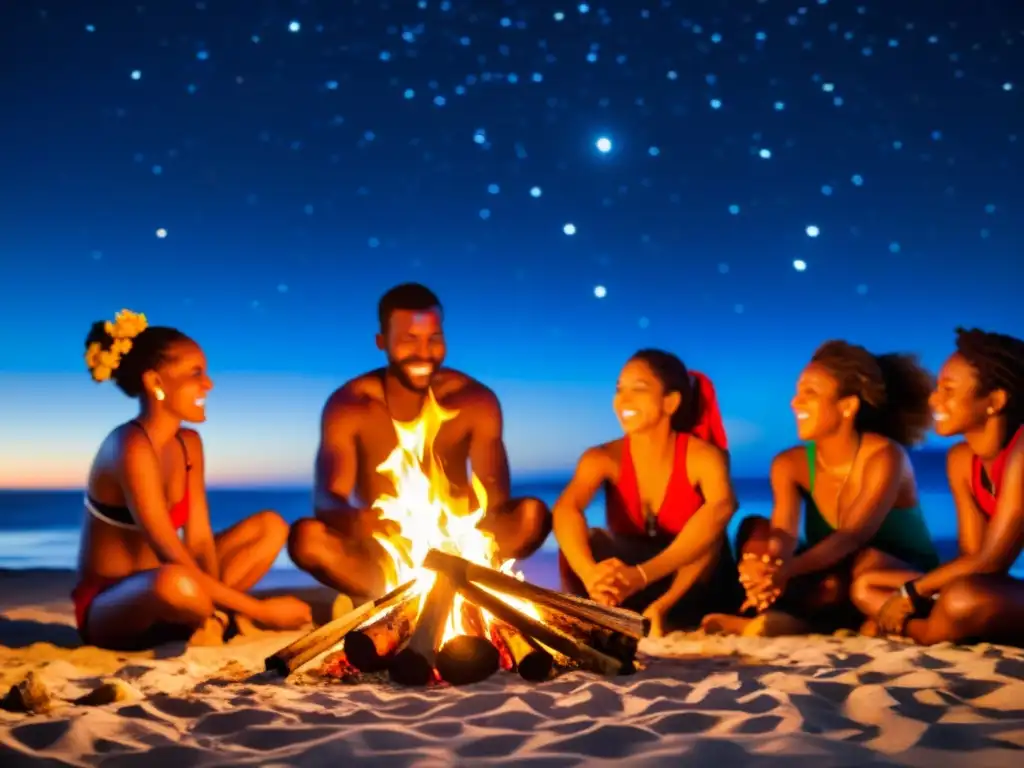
(429,516)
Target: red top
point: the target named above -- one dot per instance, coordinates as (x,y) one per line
(179,512)
(986,499)
(623,506)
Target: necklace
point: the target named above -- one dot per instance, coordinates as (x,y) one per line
(846,479)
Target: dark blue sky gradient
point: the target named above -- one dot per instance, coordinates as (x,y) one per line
(299,174)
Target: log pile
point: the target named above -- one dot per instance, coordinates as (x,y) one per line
(401,633)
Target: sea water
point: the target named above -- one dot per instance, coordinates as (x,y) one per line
(40,529)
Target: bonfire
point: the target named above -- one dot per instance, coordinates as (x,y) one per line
(455,610)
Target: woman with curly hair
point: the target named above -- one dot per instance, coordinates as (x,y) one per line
(856,413)
(150,568)
(980,396)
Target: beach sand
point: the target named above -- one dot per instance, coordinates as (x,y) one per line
(821,701)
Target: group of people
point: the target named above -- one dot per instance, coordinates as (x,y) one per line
(152,569)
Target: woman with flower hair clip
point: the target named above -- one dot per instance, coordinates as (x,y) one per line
(150,567)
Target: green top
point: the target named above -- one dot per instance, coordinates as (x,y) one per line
(903,534)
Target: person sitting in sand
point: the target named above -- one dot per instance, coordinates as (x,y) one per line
(357,433)
(668,500)
(857,413)
(150,568)
(980,396)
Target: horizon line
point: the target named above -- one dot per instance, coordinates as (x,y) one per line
(552,478)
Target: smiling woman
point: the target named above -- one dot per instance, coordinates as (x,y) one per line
(150,568)
(668,497)
(857,413)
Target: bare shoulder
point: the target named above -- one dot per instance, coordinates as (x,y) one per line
(127,439)
(600,460)
(459,391)
(878,446)
(193,442)
(704,452)
(790,461)
(452,385)
(356,396)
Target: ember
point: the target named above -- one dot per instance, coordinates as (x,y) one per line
(456,610)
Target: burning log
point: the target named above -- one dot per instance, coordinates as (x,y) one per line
(370,647)
(309,646)
(460,571)
(473,619)
(564,644)
(467,659)
(414,664)
(622,647)
(531,661)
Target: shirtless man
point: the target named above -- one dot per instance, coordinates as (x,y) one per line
(357,434)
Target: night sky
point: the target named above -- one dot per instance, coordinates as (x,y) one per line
(732,181)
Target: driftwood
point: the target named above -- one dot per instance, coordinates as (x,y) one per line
(467,659)
(621,620)
(309,646)
(622,647)
(370,647)
(531,661)
(586,656)
(414,664)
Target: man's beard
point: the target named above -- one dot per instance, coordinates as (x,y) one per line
(396,368)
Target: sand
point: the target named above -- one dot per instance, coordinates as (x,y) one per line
(821,701)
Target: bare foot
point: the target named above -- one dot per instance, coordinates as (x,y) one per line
(869,628)
(775,624)
(211,633)
(342,605)
(724,624)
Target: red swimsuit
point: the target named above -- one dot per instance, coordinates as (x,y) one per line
(623,506)
(90,587)
(622,501)
(986,497)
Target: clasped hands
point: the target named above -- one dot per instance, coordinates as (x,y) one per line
(763,578)
(612,582)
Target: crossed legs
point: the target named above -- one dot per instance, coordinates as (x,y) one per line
(167,603)
(970,608)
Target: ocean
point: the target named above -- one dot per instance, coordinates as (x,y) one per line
(40,529)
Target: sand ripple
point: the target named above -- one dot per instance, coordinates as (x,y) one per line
(736,701)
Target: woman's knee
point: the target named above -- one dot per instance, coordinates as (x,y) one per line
(180,596)
(304,539)
(272,527)
(965,600)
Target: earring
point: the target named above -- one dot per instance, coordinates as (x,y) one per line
(158,393)
(991,411)
(846,414)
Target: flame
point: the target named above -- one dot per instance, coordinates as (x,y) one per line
(429,516)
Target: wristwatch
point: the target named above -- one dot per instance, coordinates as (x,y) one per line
(921,605)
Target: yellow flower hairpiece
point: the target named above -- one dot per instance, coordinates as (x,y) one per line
(103,361)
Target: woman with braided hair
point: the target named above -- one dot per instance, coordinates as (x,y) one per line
(856,413)
(150,568)
(980,396)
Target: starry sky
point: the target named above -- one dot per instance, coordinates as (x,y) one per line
(735,181)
